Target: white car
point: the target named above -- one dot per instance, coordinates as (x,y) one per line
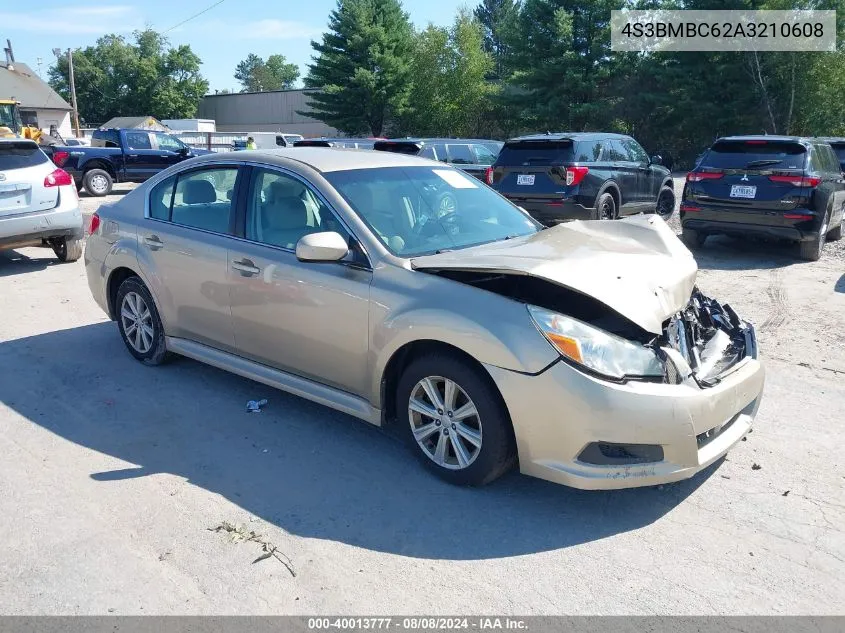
(38,202)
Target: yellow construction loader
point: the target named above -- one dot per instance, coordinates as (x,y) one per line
(11,125)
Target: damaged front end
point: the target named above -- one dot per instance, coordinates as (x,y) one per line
(709,340)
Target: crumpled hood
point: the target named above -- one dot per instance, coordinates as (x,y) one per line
(636,266)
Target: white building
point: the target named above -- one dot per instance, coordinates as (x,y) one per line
(190,125)
(41,106)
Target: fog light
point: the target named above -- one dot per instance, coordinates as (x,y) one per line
(611,454)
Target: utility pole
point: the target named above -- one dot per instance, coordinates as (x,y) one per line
(73,92)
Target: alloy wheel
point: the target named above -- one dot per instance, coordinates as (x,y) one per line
(99,183)
(137,321)
(445,422)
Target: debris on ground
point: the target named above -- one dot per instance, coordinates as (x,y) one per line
(744,439)
(254,406)
(785,494)
(756,466)
(725,477)
(239,534)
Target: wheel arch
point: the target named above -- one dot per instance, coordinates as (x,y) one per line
(611,187)
(117,277)
(96,163)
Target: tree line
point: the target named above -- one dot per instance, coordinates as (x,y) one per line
(507,67)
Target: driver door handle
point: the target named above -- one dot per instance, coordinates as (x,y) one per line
(153,242)
(246,267)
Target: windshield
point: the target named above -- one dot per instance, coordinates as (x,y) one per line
(9,117)
(423,210)
(755,154)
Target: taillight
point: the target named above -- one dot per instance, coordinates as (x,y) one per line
(95,224)
(698,176)
(60,158)
(797,181)
(58,178)
(575,174)
(488,175)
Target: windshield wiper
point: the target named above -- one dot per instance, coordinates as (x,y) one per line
(763,162)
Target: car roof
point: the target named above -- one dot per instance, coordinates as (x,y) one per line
(432,139)
(326,159)
(563,136)
(766,137)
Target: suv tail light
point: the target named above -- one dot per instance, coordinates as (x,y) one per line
(58,178)
(488,175)
(698,176)
(60,158)
(575,174)
(95,224)
(797,181)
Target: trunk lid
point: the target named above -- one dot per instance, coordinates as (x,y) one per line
(23,167)
(637,266)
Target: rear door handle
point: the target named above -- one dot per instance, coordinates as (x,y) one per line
(246,267)
(153,243)
(132,156)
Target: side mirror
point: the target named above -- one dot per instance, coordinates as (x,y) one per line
(184,151)
(327,246)
(657,159)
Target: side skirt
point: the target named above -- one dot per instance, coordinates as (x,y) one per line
(296,385)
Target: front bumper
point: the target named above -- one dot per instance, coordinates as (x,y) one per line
(561,411)
(25,229)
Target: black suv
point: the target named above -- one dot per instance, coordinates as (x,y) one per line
(473,156)
(581,176)
(778,186)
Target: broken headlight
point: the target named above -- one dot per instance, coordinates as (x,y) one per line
(595,349)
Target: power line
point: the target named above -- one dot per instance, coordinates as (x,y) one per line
(196,15)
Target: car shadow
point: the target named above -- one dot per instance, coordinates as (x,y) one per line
(305,468)
(722,252)
(15,263)
(114,192)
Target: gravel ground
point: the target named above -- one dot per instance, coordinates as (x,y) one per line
(113,474)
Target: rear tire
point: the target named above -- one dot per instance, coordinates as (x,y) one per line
(812,249)
(693,238)
(145,341)
(835,234)
(67,249)
(665,203)
(495,451)
(97,182)
(605,208)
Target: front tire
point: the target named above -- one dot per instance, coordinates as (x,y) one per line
(139,322)
(454,419)
(67,249)
(97,182)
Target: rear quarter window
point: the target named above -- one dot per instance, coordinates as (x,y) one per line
(536,153)
(20,155)
(589,151)
(751,154)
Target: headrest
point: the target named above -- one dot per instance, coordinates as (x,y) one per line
(198,192)
(285,188)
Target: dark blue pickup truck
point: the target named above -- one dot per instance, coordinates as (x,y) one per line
(120,155)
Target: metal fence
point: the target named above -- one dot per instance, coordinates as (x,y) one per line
(213,141)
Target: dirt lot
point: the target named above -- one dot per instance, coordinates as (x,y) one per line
(112,474)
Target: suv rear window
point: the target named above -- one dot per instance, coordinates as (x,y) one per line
(536,153)
(755,155)
(20,155)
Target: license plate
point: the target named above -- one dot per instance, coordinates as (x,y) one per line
(743,191)
(525,179)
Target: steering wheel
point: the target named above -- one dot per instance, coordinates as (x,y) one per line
(448,223)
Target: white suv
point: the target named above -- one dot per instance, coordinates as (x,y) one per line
(38,202)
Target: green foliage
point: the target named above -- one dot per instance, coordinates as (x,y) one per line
(451,95)
(257,75)
(144,77)
(362,67)
(497,19)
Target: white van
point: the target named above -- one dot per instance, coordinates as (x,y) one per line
(271,140)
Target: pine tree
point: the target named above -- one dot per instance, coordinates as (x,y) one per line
(362,71)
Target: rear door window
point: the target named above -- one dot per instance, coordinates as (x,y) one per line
(615,152)
(541,152)
(138,140)
(203,199)
(460,154)
(755,154)
(483,156)
(20,155)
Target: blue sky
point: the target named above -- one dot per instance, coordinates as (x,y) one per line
(221,37)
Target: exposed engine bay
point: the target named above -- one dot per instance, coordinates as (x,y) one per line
(710,337)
